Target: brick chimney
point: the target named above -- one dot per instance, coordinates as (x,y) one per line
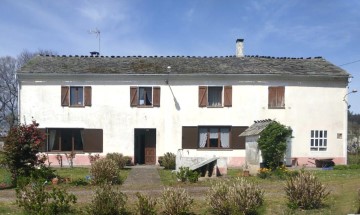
(240,48)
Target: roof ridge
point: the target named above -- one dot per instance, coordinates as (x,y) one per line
(182,56)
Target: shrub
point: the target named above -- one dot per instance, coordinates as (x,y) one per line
(264,173)
(218,198)
(239,197)
(246,196)
(272,143)
(44,173)
(145,205)
(168,160)
(185,174)
(79,182)
(20,150)
(176,201)
(119,159)
(305,191)
(160,160)
(35,200)
(107,200)
(105,171)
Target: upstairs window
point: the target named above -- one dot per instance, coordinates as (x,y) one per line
(215,96)
(318,140)
(276,98)
(144,96)
(76,96)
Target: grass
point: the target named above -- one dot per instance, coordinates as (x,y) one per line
(344,185)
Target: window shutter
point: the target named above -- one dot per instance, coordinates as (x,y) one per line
(272,97)
(236,141)
(280,97)
(43,148)
(65,91)
(190,137)
(202,96)
(133,96)
(87,96)
(156,96)
(227,96)
(93,140)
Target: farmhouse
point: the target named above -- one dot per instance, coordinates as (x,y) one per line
(195,107)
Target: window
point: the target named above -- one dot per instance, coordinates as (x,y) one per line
(74,139)
(215,96)
(276,98)
(318,140)
(144,96)
(76,96)
(213,137)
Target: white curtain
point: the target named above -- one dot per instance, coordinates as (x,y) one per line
(214,96)
(202,137)
(52,139)
(225,136)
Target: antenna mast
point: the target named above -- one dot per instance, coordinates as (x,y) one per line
(97,32)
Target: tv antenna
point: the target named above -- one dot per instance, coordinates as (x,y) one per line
(97,32)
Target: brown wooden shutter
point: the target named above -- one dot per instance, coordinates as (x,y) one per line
(133,96)
(65,101)
(93,140)
(280,97)
(202,96)
(227,96)
(43,148)
(236,141)
(156,96)
(190,137)
(87,91)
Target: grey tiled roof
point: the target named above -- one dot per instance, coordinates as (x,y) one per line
(182,65)
(256,128)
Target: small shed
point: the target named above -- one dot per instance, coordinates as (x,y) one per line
(252,153)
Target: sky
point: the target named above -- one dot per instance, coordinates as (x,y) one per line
(279,28)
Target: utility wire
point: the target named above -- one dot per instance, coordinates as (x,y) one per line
(349,63)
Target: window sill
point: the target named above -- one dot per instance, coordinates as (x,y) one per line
(63,152)
(144,106)
(214,149)
(276,107)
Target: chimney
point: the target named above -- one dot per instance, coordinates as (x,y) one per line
(240,48)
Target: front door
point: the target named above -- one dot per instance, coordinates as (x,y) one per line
(145,146)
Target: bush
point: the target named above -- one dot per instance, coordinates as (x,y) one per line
(272,143)
(20,150)
(105,171)
(79,182)
(160,160)
(145,205)
(176,201)
(168,160)
(280,173)
(44,173)
(35,200)
(239,197)
(185,174)
(218,198)
(305,191)
(119,159)
(107,200)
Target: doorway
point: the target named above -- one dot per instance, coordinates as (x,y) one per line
(145,146)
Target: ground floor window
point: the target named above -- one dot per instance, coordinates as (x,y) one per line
(74,139)
(214,137)
(318,140)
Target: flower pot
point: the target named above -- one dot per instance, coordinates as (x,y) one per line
(54,181)
(246,173)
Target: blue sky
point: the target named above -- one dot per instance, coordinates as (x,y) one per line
(280,28)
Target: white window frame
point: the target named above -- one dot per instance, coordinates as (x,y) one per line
(318,140)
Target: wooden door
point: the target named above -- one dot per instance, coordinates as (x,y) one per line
(150,147)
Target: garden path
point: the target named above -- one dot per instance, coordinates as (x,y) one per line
(143,175)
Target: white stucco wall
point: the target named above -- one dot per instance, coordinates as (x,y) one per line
(310,104)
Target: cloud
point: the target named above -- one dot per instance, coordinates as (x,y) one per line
(104,10)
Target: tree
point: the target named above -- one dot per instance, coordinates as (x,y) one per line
(8,86)
(272,143)
(21,147)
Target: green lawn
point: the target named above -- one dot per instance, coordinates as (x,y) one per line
(343,184)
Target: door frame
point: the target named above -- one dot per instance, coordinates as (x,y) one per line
(145,146)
